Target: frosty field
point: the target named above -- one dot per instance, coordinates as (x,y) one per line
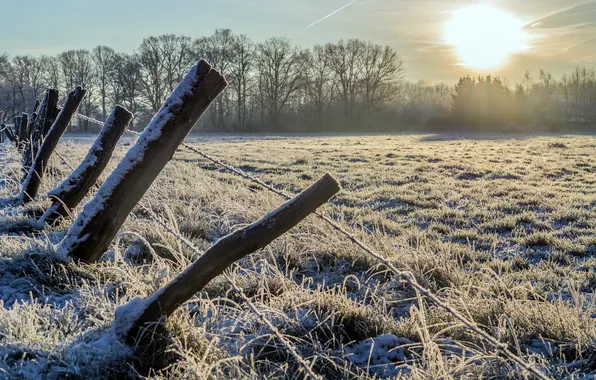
(501,227)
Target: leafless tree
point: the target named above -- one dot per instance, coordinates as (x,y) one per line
(319,83)
(220,50)
(280,75)
(241,75)
(103,60)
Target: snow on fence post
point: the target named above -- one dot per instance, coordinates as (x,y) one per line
(2,134)
(91,234)
(37,171)
(228,250)
(47,114)
(69,194)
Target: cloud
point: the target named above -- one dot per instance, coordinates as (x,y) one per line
(577,16)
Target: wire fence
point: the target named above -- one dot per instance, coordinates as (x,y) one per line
(342,230)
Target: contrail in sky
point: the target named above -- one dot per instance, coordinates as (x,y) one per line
(330,14)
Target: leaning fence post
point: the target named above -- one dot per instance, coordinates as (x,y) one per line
(45,118)
(230,249)
(73,189)
(91,234)
(37,171)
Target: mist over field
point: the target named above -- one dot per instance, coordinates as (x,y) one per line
(291,198)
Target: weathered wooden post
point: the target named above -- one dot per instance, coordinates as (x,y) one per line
(91,234)
(47,114)
(37,171)
(24,122)
(2,133)
(228,250)
(73,189)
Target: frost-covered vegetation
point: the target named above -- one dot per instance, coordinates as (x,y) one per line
(502,228)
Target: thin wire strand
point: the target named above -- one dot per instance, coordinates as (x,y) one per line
(287,344)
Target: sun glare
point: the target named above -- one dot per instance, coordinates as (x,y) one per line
(484,37)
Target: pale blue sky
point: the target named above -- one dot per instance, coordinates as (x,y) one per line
(412,27)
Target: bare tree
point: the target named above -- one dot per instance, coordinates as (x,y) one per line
(345,62)
(103,58)
(280,73)
(220,50)
(52,72)
(152,73)
(382,69)
(241,72)
(319,81)
(127,83)
(77,69)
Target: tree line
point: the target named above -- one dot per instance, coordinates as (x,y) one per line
(275,86)
(546,104)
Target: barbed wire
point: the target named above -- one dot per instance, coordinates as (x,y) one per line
(197,252)
(405,276)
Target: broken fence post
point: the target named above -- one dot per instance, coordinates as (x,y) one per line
(47,114)
(228,250)
(73,189)
(91,234)
(36,172)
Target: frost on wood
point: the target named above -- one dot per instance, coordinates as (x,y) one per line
(96,226)
(68,195)
(34,176)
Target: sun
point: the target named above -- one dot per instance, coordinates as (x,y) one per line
(485,37)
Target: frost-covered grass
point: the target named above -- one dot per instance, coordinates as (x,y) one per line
(502,228)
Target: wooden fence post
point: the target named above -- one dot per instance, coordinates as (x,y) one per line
(24,123)
(73,189)
(91,234)
(37,171)
(2,133)
(230,249)
(45,118)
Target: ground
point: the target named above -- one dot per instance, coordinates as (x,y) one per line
(501,227)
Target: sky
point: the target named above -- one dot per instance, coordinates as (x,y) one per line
(560,34)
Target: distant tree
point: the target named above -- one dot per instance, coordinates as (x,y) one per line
(319,86)
(483,103)
(220,50)
(104,60)
(127,83)
(152,73)
(241,74)
(78,70)
(280,76)
(345,61)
